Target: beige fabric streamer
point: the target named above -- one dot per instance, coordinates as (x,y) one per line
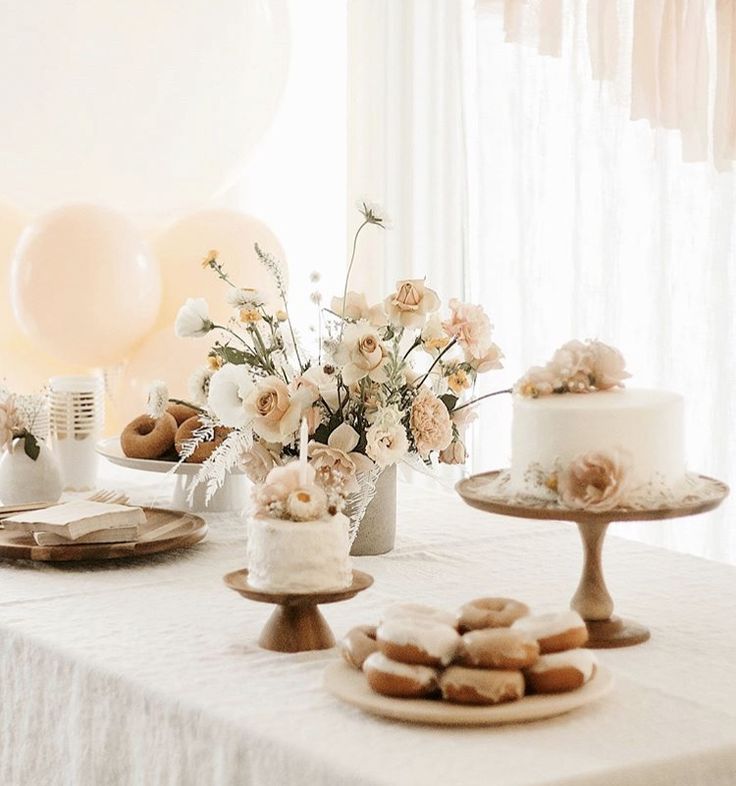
(530,22)
(724,121)
(602,23)
(669,70)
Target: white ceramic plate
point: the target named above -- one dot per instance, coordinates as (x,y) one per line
(111,450)
(351,686)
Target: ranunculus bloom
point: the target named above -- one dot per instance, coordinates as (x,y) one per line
(454,453)
(193,320)
(257,462)
(387,442)
(595,481)
(357,308)
(430,423)
(470,326)
(361,353)
(337,460)
(276,414)
(412,302)
(608,366)
(229,389)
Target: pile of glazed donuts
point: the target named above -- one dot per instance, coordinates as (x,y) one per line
(492,651)
(164,438)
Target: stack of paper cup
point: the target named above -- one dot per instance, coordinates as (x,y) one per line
(76,419)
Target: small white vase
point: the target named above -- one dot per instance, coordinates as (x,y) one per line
(377,530)
(24,480)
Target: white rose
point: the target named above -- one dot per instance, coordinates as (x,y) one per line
(361,354)
(411,303)
(387,442)
(193,320)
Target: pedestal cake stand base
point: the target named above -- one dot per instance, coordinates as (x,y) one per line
(591,599)
(296,624)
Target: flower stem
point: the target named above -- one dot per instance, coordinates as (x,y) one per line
(188,404)
(349,271)
(436,361)
(480,398)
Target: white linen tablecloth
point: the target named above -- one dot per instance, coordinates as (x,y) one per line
(147,671)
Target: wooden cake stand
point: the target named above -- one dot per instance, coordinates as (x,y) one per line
(296,624)
(592,599)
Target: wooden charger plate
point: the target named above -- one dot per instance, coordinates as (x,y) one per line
(351,686)
(164,530)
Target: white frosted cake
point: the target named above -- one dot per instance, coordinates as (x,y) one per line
(580,439)
(551,431)
(298,541)
(299,556)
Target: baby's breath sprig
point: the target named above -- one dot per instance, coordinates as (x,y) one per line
(274,268)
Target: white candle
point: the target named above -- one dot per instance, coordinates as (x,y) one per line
(303,441)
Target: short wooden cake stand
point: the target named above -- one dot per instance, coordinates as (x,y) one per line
(592,599)
(296,624)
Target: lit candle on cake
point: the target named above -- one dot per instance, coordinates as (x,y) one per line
(303,441)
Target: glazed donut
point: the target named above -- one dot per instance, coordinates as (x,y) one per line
(554,632)
(421,642)
(561,671)
(402,680)
(490,613)
(358,644)
(481,686)
(205,449)
(181,412)
(419,610)
(148,438)
(497,648)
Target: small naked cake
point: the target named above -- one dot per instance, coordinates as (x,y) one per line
(580,440)
(298,540)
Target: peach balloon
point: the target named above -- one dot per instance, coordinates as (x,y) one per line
(161,356)
(11,225)
(183,246)
(150,108)
(84,285)
(24,369)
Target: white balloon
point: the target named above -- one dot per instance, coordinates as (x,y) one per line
(149,108)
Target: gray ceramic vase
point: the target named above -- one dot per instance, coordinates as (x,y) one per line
(377,530)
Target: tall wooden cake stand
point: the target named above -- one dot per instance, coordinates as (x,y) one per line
(296,625)
(592,599)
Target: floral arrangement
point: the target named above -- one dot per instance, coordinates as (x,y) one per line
(17,420)
(576,367)
(385,383)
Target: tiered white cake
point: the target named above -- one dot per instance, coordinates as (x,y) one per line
(552,430)
(299,556)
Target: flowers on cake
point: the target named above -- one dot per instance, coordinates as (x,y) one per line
(595,481)
(576,367)
(291,492)
(383,381)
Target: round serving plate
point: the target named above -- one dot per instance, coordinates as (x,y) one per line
(164,530)
(351,686)
(231,496)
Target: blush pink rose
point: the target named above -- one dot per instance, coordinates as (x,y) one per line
(595,481)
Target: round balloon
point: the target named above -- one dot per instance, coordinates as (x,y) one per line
(182,247)
(84,286)
(11,225)
(24,369)
(149,111)
(161,356)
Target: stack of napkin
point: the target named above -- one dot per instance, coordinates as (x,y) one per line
(81,521)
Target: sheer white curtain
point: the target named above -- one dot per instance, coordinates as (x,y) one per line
(581,223)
